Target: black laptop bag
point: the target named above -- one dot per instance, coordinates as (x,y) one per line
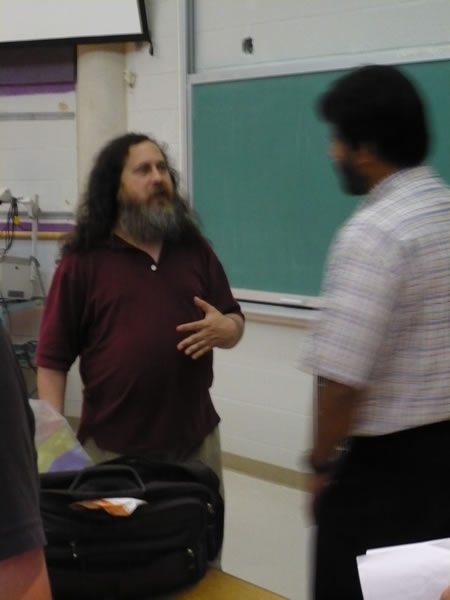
(162,545)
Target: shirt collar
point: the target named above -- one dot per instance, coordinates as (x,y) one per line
(116,242)
(395,181)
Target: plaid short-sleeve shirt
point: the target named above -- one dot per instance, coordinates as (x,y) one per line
(385,323)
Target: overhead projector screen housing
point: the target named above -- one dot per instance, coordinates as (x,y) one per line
(71,21)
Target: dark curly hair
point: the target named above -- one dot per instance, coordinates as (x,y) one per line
(377,105)
(98,211)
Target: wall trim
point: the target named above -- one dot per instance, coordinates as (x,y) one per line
(251,467)
(38,116)
(266,471)
(415,54)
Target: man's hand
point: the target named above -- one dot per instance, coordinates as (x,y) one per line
(336,407)
(51,386)
(214,330)
(316,486)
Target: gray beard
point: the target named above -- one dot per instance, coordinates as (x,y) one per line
(146,223)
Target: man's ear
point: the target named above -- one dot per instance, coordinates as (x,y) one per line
(365,155)
(369,164)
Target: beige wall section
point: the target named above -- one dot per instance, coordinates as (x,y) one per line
(101,101)
(101,115)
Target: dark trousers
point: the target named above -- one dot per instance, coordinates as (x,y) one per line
(387,490)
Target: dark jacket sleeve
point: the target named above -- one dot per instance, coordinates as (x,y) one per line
(20,523)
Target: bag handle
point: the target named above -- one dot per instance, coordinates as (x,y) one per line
(106,478)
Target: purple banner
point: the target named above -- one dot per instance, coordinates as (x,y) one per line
(42,88)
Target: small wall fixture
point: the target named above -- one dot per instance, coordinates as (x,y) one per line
(247,45)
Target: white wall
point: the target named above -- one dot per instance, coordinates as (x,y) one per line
(285,30)
(154,101)
(38,156)
(262,396)
(264,399)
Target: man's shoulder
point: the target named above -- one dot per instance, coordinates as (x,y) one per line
(397,212)
(80,257)
(198,245)
(405,203)
(368,221)
(370,231)
(407,193)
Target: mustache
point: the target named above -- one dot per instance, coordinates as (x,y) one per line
(160,191)
(159,188)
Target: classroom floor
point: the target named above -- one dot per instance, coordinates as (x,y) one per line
(267,535)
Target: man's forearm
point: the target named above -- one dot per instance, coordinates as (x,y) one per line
(24,577)
(336,405)
(238,330)
(52,387)
(446,594)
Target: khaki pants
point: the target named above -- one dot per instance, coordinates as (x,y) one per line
(209,452)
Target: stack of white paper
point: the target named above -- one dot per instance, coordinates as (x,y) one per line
(409,572)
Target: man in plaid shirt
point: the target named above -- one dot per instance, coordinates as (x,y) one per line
(382,349)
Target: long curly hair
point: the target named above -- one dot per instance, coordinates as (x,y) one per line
(98,211)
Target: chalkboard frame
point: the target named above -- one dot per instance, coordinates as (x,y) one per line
(313,65)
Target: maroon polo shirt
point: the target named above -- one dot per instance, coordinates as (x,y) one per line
(118,310)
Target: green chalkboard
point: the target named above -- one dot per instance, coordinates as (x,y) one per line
(263,186)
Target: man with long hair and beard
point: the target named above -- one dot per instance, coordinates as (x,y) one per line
(142,299)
